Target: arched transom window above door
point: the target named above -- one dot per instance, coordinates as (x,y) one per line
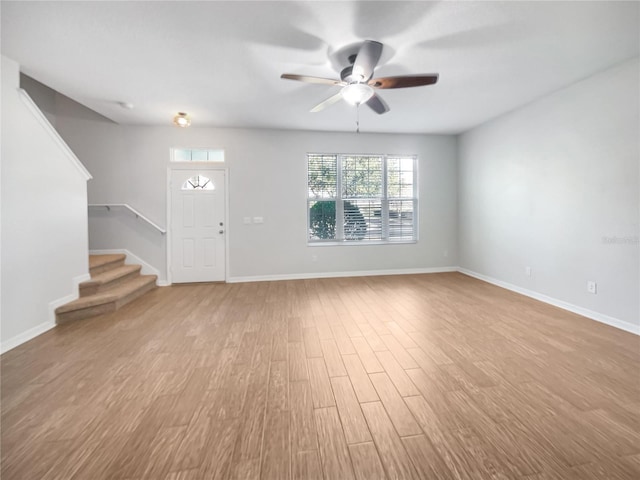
(198,182)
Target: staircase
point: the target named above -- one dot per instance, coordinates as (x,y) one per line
(112,285)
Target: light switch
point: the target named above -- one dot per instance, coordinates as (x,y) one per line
(246,220)
(258,220)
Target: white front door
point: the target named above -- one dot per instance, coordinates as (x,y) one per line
(198,225)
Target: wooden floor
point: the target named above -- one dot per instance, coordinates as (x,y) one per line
(424,376)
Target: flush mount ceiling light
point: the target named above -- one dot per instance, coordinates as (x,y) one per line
(356,93)
(182,120)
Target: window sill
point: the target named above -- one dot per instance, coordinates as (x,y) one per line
(361,243)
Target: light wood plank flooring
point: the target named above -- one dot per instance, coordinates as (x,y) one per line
(403,377)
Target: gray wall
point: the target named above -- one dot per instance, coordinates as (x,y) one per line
(549,186)
(267,178)
(544,186)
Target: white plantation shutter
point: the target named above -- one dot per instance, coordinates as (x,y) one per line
(322,176)
(361,198)
(402,193)
(322,182)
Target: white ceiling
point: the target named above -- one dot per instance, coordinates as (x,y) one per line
(221,61)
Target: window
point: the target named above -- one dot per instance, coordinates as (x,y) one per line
(198,182)
(196,155)
(361,198)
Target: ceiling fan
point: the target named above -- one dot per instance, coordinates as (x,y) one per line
(356,80)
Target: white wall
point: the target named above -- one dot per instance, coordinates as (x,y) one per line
(44,220)
(547,184)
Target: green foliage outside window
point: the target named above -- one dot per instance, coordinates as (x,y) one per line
(322,221)
(377,194)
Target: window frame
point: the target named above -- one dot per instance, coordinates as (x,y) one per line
(384,199)
(173,156)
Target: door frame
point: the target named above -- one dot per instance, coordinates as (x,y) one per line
(198,167)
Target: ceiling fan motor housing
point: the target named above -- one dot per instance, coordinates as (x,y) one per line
(346,74)
(356,82)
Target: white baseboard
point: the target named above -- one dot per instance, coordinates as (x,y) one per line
(75,289)
(79,279)
(147,268)
(585,312)
(26,336)
(361,273)
(51,316)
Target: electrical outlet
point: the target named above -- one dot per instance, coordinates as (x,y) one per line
(314,258)
(258,220)
(592,287)
(527,271)
(446,253)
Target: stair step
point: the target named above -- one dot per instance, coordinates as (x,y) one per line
(108,279)
(102,263)
(108,301)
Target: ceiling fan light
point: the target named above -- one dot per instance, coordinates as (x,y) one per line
(182,120)
(357,93)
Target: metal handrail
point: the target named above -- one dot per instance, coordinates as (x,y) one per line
(108,206)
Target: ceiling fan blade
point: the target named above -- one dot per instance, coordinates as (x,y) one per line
(326,103)
(307,79)
(378,105)
(404,81)
(366,60)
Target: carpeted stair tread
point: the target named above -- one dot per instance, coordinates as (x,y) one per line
(102,263)
(112,285)
(115,295)
(108,279)
(100,260)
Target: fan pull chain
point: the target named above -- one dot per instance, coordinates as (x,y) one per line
(358,118)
